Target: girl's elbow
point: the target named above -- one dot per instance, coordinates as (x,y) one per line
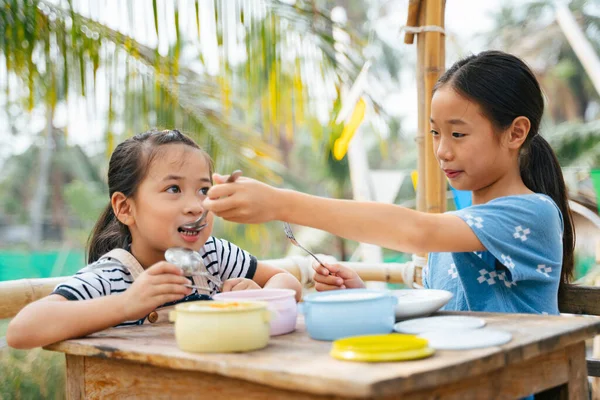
(16,336)
(418,242)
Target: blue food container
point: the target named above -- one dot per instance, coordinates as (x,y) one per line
(342,313)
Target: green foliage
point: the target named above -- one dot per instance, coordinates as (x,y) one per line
(30,374)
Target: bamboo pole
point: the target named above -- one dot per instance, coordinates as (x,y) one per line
(579,43)
(412,20)
(16,294)
(431,185)
(422,127)
(374,272)
(443,198)
(433,67)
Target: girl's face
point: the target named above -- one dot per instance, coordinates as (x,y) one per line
(469,151)
(170,196)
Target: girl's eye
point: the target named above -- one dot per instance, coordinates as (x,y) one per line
(173,189)
(204,190)
(434,133)
(457,135)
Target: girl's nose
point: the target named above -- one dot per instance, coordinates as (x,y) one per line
(443,151)
(194,206)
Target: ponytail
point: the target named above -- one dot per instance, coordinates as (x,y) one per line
(108,233)
(505,88)
(541,173)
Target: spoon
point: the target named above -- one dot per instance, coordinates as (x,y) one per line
(198,223)
(191,263)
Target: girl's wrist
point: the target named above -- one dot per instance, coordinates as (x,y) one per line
(279,209)
(281,204)
(121,306)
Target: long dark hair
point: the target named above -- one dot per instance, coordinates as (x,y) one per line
(505,88)
(128,166)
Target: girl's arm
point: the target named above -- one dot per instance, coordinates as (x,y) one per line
(386,225)
(268,276)
(55,318)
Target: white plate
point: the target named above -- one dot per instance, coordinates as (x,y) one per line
(419,302)
(441,323)
(466,339)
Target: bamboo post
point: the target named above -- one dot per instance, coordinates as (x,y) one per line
(373,272)
(435,191)
(413,17)
(431,185)
(16,294)
(579,43)
(421,133)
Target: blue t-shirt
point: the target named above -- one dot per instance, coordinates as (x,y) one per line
(520,270)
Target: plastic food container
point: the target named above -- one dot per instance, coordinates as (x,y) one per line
(220,327)
(281,303)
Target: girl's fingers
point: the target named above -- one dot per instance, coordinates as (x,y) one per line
(240,286)
(346,273)
(169,288)
(321,270)
(328,269)
(168,298)
(222,206)
(218,178)
(321,287)
(229,284)
(169,278)
(329,280)
(234,216)
(223,190)
(164,267)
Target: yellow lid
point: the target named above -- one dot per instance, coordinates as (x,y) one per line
(377,348)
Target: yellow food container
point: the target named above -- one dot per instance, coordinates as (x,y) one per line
(220,327)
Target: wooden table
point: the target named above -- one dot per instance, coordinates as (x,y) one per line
(546,351)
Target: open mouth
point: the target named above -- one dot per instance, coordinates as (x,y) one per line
(191,232)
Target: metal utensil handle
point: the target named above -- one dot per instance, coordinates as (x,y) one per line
(234,175)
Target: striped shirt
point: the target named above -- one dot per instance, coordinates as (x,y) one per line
(108,276)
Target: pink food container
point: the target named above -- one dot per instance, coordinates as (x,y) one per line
(281,303)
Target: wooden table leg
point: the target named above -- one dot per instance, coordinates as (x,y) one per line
(75,377)
(577,386)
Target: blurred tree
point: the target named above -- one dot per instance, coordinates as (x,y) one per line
(529,30)
(222,71)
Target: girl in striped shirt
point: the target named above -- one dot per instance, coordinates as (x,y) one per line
(157,182)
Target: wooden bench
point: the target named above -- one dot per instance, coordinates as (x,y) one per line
(583,300)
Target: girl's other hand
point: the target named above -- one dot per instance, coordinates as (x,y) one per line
(335,276)
(232,285)
(161,283)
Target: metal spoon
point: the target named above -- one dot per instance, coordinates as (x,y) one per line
(198,223)
(191,263)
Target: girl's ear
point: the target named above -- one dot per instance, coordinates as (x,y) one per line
(121,206)
(518,132)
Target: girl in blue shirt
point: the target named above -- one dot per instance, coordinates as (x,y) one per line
(510,251)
